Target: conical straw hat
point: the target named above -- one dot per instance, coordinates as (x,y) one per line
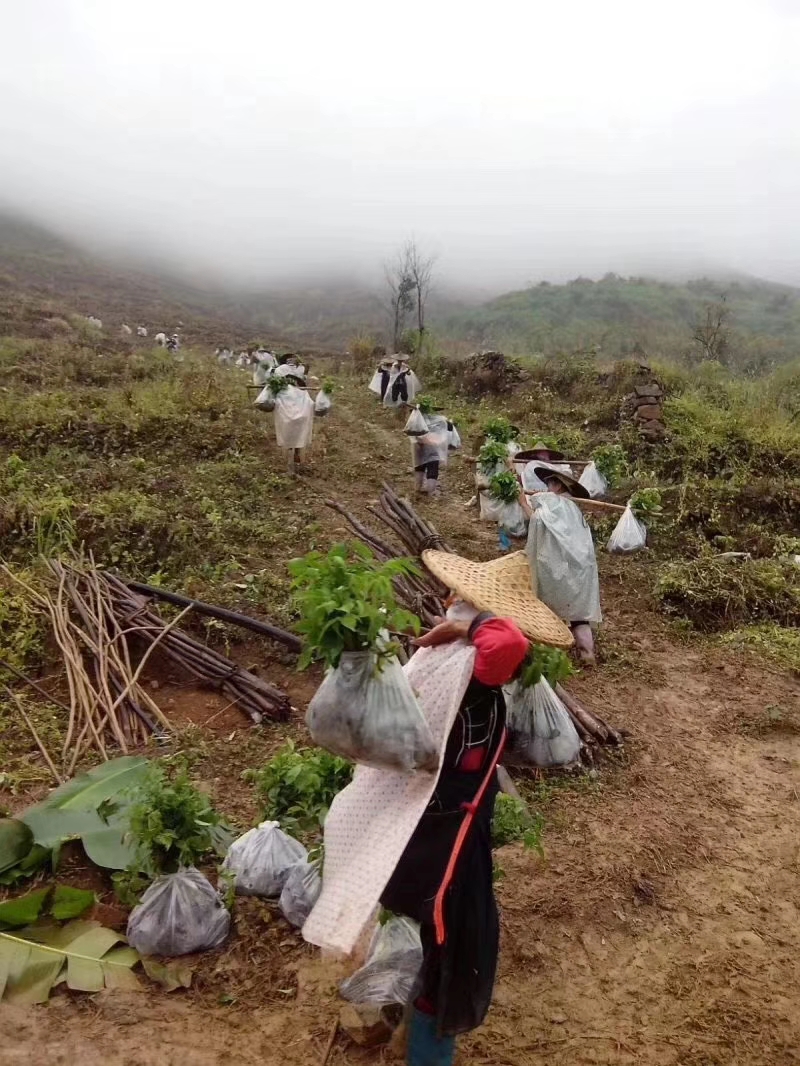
(504,587)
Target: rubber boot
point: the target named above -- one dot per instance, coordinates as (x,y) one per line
(425,1048)
(584,644)
(432,487)
(419,480)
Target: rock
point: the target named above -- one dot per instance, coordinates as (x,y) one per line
(648,411)
(653,430)
(365,1024)
(649,390)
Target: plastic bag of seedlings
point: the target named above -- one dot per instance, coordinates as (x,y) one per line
(322,404)
(393,963)
(366,711)
(630,535)
(454,439)
(593,481)
(511,518)
(265,401)
(416,424)
(490,508)
(541,732)
(300,893)
(261,860)
(179,914)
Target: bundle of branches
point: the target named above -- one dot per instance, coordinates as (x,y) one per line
(98,624)
(421,594)
(424,595)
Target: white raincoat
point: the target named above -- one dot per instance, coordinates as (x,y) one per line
(561,554)
(294,418)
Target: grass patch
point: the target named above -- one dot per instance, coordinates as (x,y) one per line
(778,644)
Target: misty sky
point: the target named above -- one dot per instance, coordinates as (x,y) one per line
(516,139)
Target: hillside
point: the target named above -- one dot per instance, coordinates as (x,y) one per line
(617,314)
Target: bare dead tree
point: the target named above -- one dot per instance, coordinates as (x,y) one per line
(420,268)
(401,285)
(712,334)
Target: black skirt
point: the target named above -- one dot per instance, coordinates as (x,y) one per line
(458,974)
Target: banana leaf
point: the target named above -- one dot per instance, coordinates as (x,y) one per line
(16,840)
(34,959)
(62,902)
(73,812)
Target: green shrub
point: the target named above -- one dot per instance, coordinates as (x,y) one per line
(717,594)
(513,823)
(172,823)
(297,786)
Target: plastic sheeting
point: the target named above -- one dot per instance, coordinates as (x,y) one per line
(261,859)
(511,518)
(630,535)
(454,439)
(533,483)
(294,418)
(541,732)
(416,425)
(371,716)
(561,554)
(322,404)
(179,914)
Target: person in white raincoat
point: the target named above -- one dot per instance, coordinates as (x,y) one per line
(404,385)
(561,554)
(429,453)
(540,454)
(294,421)
(381,378)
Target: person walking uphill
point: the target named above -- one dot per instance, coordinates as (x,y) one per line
(420,844)
(562,558)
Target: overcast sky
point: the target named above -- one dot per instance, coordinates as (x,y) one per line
(517,139)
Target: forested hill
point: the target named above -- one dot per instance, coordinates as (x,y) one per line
(620,313)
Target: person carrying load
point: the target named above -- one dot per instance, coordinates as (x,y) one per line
(381,378)
(541,454)
(404,384)
(420,843)
(561,553)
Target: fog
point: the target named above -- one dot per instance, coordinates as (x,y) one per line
(261,143)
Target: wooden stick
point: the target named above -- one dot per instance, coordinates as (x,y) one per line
(587,720)
(331,1042)
(35,735)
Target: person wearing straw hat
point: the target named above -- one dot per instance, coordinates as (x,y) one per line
(562,557)
(380,379)
(404,384)
(443,878)
(541,454)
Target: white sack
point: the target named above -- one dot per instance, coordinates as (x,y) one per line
(630,535)
(265,401)
(593,481)
(541,732)
(179,914)
(511,518)
(416,424)
(454,440)
(300,893)
(371,716)
(261,859)
(322,404)
(393,962)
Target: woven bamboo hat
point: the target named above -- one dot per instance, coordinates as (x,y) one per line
(504,587)
(553,454)
(569,482)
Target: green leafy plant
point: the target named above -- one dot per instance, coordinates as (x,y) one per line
(512,822)
(492,453)
(328,386)
(277,383)
(505,487)
(86,808)
(296,787)
(611,461)
(646,504)
(426,404)
(346,600)
(550,663)
(172,823)
(500,429)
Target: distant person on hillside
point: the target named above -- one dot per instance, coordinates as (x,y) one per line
(561,554)
(173,344)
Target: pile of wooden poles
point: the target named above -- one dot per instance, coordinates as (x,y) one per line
(106,634)
(424,595)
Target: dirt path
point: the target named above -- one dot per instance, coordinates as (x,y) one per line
(662,929)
